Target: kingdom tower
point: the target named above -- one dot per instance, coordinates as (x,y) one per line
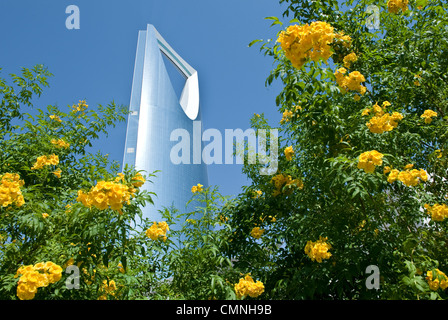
(155,112)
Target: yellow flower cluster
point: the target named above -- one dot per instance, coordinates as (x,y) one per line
(305,42)
(256,232)
(289,152)
(197,188)
(281,180)
(394,6)
(157,231)
(55,118)
(108,288)
(438,212)
(352,81)
(10,190)
(222,219)
(107,194)
(343,39)
(138,180)
(60,143)
(37,276)
(57,173)
(381,121)
(248,287)
(81,106)
(288,114)
(318,250)
(349,59)
(434,282)
(45,161)
(409,177)
(256,194)
(369,160)
(417,79)
(428,115)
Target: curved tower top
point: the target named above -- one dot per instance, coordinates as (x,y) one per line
(189,99)
(155,112)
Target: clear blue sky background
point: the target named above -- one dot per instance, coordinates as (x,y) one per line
(96,62)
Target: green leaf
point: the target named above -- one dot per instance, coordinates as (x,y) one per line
(254,42)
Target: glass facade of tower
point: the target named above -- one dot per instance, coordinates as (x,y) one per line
(155,112)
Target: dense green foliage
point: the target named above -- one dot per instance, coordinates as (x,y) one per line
(368,221)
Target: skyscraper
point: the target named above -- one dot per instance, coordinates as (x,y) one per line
(155,112)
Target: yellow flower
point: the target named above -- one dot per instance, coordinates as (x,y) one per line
(428,115)
(349,59)
(56,118)
(45,215)
(286,116)
(437,280)
(60,143)
(256,232)
(157,231)
(281,181)
(394,6)
(289,152)
(69,262)
(307,42)
(248,287)
(107,194)
(24,292)
(10,192)
(352,81)
(340,77)
(318,250)
(257,194)
(57,173)
(409,177)
(197,188)
(45,160)
(365,112)
(107,288)
(80,107)
(438,212)
(369,160)
(393,176)
(381,121)
(37,276)
(138,180)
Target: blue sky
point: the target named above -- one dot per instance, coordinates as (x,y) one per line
(96,62)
